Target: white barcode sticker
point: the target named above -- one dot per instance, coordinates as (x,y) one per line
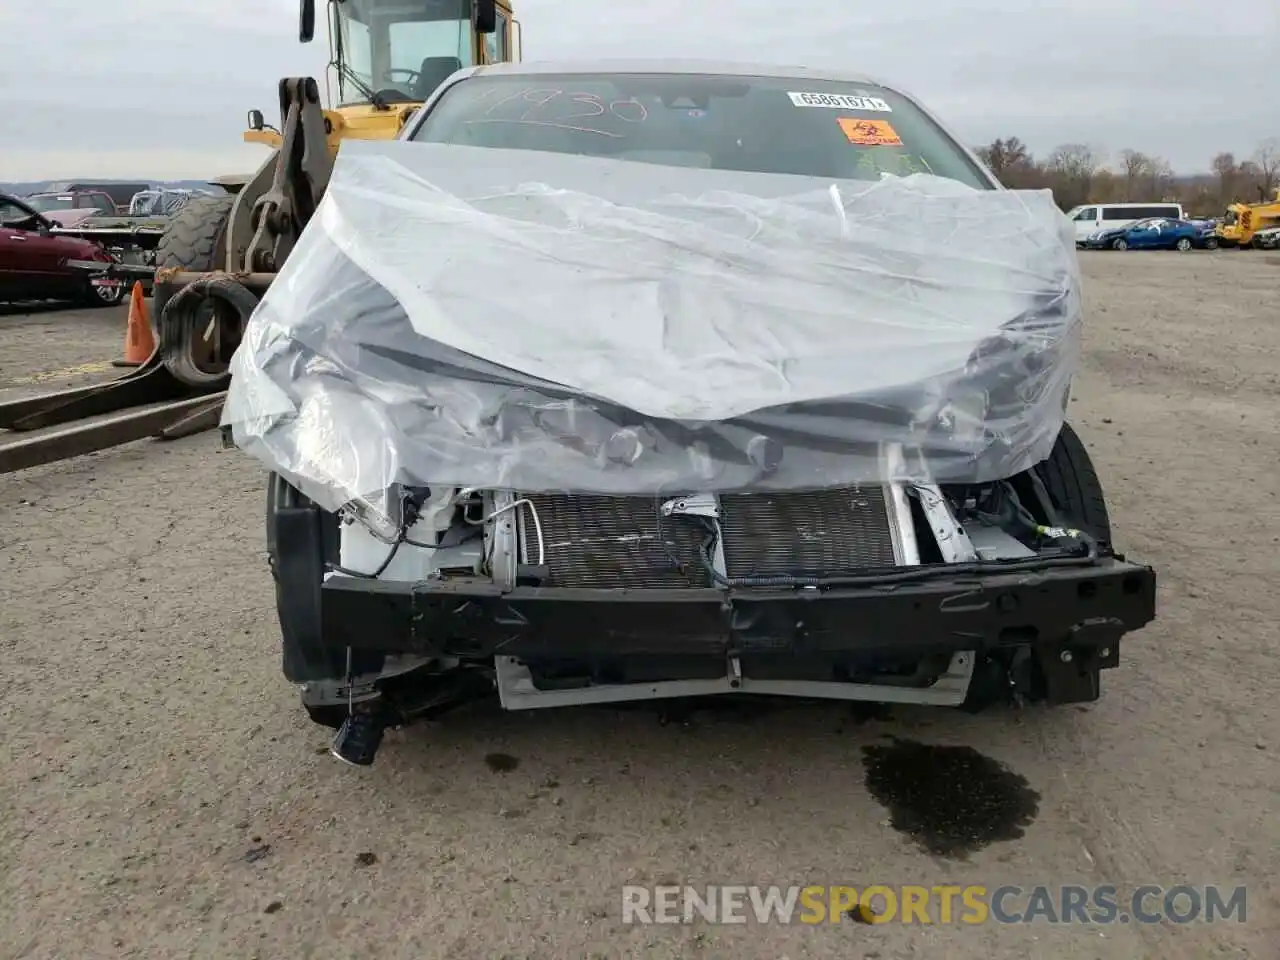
(839,101)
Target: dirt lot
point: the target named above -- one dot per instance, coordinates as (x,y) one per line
(165,797)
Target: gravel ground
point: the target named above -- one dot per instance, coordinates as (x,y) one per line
(164,796)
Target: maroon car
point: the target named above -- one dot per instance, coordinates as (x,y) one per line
(34,261)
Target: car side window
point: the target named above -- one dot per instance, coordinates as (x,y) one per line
(1088,213)
(12,213)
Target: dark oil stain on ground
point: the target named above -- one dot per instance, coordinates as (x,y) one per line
(500,762)
(950,800)
(865,711)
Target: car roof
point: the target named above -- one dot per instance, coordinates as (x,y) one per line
(727,68)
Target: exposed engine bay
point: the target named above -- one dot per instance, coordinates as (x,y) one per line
(805,540)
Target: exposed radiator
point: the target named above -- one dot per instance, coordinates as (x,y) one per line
(601,541)
(811,532)
(608,541)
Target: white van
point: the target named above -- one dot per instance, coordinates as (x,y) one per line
(1091,218)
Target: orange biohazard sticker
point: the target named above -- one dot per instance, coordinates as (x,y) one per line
(869,133)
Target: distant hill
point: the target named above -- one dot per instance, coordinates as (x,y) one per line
(24,188)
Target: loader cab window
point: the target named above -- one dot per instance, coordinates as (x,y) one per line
(358,47)
(495,44)
(400,50)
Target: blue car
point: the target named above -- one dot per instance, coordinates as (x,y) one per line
(1155,233)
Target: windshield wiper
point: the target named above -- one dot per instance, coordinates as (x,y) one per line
(367,91)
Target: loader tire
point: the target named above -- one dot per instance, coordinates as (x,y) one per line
(195,239)
(1073,486)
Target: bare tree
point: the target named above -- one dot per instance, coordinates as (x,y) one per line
(1076,160)
(1267,158)
(1224,165)
(1160,176)
(1009,160)
(1071,168)
(1250,183)
(1107,187)
(1136,165)
(1076,173)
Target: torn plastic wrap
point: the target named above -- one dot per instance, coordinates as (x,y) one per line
(532,321)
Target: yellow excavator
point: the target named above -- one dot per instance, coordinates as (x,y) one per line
(219,254)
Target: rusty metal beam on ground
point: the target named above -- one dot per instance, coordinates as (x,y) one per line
(150,383)
(188,415)
(200,418)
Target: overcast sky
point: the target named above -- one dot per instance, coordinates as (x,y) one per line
(159,88)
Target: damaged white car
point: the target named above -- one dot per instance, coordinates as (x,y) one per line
(636,381)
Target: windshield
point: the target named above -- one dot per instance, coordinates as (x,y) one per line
(400,50)
(45,204)
(767,125)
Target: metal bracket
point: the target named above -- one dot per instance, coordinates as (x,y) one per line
(698,505)
(302,171)
(953,542)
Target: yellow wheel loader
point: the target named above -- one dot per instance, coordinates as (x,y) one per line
(1243,220)
(386,57)
(219,254)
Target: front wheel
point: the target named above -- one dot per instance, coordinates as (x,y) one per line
(103,294)
(1211,243)
(1072,483)
(1120,244)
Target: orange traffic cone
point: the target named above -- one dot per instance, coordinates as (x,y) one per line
(139,342)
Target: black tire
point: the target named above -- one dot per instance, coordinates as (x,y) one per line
(195,239)
(1183,245)
(1120,244)
(1211,243)
(1073,486)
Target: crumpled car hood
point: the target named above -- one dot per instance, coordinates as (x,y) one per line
(538,321)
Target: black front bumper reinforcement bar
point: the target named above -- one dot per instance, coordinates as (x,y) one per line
(1071,616)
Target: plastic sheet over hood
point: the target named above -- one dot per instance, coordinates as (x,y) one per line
(535,321)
